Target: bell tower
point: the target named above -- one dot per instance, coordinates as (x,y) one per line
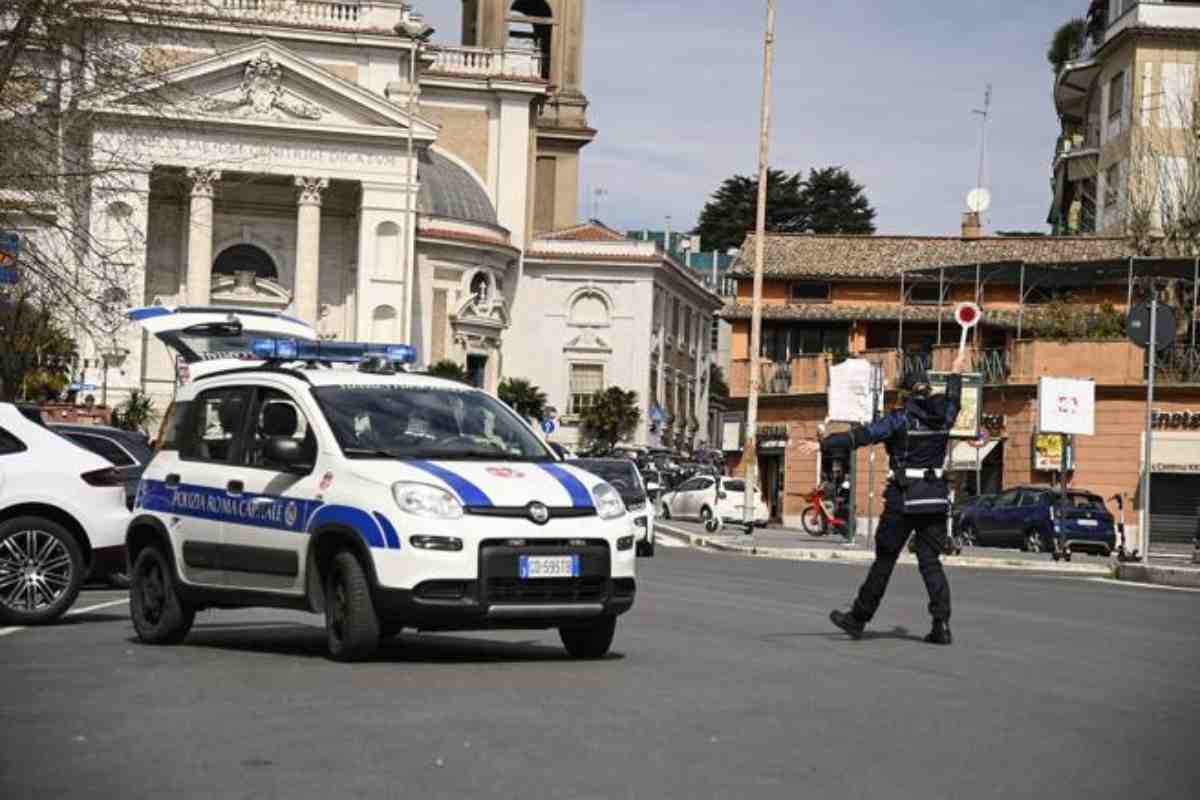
(553,28)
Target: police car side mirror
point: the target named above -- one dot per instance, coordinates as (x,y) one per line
(287,453)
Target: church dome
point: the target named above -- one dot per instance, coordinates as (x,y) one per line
(448,190)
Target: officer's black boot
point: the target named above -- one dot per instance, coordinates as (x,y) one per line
(847,622)
(940,633)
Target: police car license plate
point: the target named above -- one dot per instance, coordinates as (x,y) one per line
(549,567)
(1087,523)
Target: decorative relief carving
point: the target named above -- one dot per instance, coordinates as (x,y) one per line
(310,189)
(262,95)
(203,181)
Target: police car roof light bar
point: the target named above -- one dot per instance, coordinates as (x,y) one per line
(334,352)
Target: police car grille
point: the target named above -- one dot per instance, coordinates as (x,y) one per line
(522,512)
(547,590)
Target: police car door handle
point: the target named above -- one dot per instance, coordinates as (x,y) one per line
(234,488)
(172,480)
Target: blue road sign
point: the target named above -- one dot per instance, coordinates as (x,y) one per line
(82,387)
(10,251)
(548,426)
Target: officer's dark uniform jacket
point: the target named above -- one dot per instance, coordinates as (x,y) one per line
(916,438)
(916,500)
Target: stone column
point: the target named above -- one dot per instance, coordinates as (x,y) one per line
(308,247)
(200,235)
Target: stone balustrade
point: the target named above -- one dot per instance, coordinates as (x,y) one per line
(482,62)
(356,15)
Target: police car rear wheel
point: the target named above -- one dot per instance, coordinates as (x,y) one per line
(589,642)
(350,621)
(41,571)
(159,615)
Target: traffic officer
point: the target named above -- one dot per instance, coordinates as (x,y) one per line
(916,500)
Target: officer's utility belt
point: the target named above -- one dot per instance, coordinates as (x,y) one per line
(924,491)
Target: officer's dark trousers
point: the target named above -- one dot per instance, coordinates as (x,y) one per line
(894,529)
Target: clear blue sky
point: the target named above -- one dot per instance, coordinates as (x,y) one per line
(882,87)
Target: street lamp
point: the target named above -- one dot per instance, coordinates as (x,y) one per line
(412,26)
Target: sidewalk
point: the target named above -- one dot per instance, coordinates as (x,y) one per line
(796,545)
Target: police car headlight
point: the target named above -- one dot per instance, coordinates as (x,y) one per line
(423,500)
(608,501)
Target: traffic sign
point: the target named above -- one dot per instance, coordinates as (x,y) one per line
(1165,323)
(82,387)
(548,426)
(10,251)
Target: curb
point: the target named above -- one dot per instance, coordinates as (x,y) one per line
(866,557)
(1185,577)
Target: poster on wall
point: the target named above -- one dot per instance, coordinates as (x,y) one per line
(1050,455)
(1067,405)
(731,432)
(971,410)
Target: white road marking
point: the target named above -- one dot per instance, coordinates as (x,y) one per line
(1138,585)
(669,541)
(72,612)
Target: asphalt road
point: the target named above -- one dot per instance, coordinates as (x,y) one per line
(726,681)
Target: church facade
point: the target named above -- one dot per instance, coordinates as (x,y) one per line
(333,162)
(310,158)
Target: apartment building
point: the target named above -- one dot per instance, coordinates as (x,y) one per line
(1127,153)
(890,299)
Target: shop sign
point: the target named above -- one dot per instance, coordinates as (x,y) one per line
(1067,405)
(1175,452)
(1048,452)
(1175,420)
(772,437)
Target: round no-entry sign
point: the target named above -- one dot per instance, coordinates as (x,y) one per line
(1137,326)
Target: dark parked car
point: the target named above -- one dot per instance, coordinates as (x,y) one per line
(129,452)
(1035,517)
(622,474)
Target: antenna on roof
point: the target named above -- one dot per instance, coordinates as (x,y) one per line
(983,114)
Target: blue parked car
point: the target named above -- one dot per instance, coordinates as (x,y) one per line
(1033,518)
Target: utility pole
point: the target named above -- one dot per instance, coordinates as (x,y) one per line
(750,446)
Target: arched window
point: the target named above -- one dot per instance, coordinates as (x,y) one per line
(589,309)
(245,258)
(530,26)
(385,324)
(387,249)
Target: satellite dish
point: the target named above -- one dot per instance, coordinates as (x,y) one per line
(979,200)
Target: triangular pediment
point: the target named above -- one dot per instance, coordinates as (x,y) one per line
(265,82)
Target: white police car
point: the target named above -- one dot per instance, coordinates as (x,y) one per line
(385,500)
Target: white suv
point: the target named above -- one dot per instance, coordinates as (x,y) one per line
(62,518)
(385,500)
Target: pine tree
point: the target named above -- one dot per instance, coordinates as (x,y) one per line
(730,212)
(834,203)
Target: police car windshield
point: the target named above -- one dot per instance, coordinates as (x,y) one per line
(433,422)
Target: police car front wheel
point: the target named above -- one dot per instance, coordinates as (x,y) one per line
(591,641)
(159,615)
(351,625)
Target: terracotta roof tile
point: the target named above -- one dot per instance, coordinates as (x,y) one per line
(588,232)
(825,312)
(820,256)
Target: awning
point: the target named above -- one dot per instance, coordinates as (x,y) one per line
(963,455)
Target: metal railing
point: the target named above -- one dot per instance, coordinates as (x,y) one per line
(1178,364)
(916,364)
(993,365)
